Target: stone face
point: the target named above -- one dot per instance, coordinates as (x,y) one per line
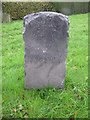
(6,18)
(45,36)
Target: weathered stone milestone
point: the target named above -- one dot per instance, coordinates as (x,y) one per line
(46,41)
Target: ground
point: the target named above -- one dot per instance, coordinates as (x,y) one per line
(71,102)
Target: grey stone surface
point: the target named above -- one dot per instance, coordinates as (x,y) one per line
(46,40)
(6,18)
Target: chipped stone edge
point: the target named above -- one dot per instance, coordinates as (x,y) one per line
(28,18)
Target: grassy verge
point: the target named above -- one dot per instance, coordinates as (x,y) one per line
(48,102)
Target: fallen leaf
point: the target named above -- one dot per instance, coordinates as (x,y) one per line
(26,116)
(76,113)
(20,107)
(74,68)
(14,110)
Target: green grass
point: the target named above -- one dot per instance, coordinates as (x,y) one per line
(70,102)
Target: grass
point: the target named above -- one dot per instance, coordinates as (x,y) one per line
(71,102)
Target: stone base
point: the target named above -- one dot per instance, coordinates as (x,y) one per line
(43,75)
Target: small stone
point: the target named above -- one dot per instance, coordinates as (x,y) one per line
(6,18)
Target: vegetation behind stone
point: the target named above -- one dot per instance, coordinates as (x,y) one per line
(18,10)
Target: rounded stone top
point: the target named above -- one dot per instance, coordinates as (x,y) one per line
(28,18)
(46,13)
